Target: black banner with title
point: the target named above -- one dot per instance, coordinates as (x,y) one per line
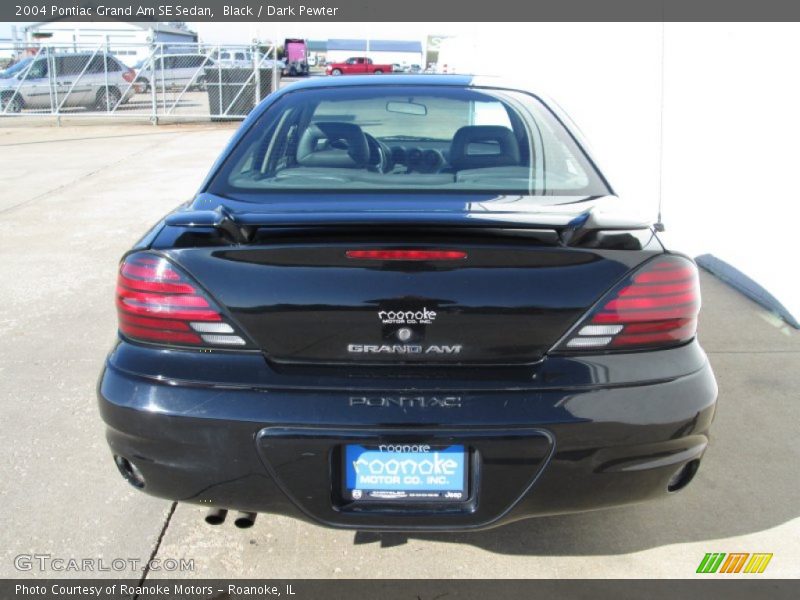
(407,10)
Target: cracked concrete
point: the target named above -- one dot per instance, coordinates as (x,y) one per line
(77,197)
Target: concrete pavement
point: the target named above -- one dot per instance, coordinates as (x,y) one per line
(77,197)
(71,206)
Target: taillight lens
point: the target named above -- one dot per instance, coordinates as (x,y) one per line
(656,307)
(129,75)
(158,303)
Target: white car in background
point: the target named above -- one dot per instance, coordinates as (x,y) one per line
(68,79)
(234,58)
(173,71)
(242,59)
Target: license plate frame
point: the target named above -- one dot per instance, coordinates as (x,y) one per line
(453,486)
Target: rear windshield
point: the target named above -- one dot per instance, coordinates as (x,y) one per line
(404,138)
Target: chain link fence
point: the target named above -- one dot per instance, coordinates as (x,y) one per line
(156,81)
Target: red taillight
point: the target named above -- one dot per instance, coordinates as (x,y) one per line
(129,75)
(158,303)
(407,254)
(656,307)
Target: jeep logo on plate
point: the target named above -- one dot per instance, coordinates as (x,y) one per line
(423,316)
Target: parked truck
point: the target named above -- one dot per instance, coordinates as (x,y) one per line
(296,57)
(357,65)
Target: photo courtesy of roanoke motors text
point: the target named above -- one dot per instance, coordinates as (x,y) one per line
(399,300)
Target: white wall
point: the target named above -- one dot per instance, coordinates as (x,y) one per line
(731,126)
(129,42)
(731,148)
(401,58)
(66,32)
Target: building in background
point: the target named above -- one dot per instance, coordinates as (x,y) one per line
(380,51)
(7,51)
(317,52)
(128,41)
(464,55)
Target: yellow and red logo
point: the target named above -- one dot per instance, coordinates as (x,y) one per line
(734,562)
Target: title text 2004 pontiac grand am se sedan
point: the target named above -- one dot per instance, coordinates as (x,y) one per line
(406,304)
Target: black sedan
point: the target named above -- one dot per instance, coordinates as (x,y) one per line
(406,304)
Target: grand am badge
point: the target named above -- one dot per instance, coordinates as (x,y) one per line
(403,349)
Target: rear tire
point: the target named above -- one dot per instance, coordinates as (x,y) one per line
(336,72)
(143,84)
(106,103)
(378,72)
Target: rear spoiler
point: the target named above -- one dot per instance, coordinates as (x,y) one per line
(240,227)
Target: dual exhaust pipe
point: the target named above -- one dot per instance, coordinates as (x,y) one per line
(243,520)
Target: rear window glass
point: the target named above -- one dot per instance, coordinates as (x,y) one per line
(112,64)
(101,64)
(71,65)
(402,138)
(38,69)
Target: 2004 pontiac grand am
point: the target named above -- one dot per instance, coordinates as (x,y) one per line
(406,304)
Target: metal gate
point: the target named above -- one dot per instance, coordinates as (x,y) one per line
(156,81)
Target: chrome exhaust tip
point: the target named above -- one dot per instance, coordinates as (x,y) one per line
(216,516)
(245,520)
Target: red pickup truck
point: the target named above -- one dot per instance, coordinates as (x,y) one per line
(357,65)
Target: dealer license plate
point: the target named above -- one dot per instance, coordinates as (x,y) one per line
(405,472)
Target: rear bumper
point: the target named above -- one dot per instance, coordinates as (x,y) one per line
(536,451)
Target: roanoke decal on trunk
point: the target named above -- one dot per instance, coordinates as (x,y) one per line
(403,349)
(423,316)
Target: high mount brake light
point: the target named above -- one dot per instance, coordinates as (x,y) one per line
(158,303)
(407,254)
(656,307)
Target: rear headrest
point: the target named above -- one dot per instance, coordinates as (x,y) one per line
(464,157)
(346,146)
